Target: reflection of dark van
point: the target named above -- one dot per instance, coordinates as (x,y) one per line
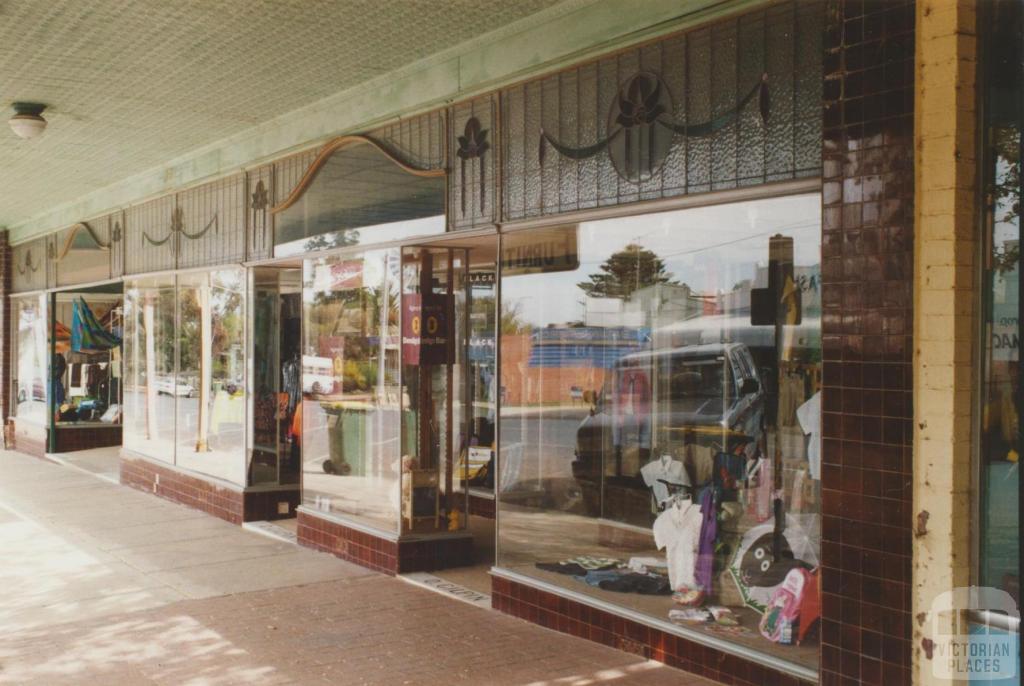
(654,398)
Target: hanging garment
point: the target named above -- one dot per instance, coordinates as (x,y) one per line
(700,462)
(632,408)
(730,471)
(761,502)
(705,569)
(291,383)
(677,531)
(809,415)
(93,377)
(661,474)
(86,332)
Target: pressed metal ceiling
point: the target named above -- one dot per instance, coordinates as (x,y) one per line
(134,84)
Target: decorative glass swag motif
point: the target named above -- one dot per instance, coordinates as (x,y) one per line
(641,129)
(28,266)
(178,226)
(472,146)
(70,240)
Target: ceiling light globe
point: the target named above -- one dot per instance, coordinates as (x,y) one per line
(27,125)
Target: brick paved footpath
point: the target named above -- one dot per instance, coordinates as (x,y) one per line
(101,584)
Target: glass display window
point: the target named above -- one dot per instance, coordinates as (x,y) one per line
(150,361)
(87,364)
(31,358)
(350,416)
(185,371)
(209,390)
(998,476)
(660,421)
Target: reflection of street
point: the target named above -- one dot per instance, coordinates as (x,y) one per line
(538,444)
(370,491)
(225,446)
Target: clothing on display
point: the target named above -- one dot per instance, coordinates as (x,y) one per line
(632,582)
(656,565)
(704,572)
(632,408)
(664,476)
(809,415)
(730,471)
(700,462)
(761,501)
(291,382)
(570,569)
(677,531)
(591,562)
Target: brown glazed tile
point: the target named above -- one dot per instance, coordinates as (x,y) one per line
(867,345)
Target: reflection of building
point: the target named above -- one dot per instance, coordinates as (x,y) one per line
(646,307)
(559,360)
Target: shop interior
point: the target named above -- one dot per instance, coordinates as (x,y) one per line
(451,389)
(86,372)
(275,459)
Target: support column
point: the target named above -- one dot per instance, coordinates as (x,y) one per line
(5,327)
(867,345)
(945,307)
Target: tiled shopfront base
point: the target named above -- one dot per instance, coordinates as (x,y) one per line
(171,484)
(480,506)
(72,438)
(382,554)
(232,505)
(28,438)
(580,619)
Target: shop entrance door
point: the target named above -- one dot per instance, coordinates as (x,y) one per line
(277,379)
(449,374)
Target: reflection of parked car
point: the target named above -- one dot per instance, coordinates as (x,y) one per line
(650,400)
(168,386)
(317,374)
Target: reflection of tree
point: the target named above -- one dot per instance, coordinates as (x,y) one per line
(1005,192)
(512,321)
(333,239)
(625,272)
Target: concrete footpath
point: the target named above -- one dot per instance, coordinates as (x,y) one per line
(100,584)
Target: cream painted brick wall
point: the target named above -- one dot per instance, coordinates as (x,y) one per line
(945,305)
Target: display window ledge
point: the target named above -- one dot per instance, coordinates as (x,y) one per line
(87,425)
(129,454)
(355,524)
(769,661)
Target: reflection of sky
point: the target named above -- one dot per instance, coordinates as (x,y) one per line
(1003,231)
(710,249)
